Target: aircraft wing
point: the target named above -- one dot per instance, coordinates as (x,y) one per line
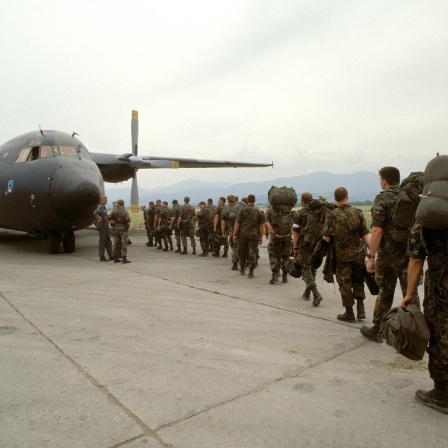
(117,168)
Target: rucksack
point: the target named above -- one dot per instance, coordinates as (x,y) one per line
(281,221)
(406,203)
(282,196)
(406,330)
(432,211)
(318,209)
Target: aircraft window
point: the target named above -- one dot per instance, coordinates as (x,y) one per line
(34,154)
(23,155)
(84,153)
(68,150)
(48,151)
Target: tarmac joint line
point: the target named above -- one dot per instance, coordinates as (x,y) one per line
(103,389)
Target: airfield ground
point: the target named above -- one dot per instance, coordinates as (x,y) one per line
(180,351)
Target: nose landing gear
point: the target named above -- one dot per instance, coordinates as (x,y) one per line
(54,240)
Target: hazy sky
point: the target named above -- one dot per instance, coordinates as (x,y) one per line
(333,85)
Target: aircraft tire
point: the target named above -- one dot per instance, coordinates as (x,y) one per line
(54,242)
(68,242)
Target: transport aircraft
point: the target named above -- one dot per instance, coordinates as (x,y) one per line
(50,184)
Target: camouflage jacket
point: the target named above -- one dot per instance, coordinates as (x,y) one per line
(165,214)
(382,210)
(121,218)
(175,213)
(188,214)
(230,213)
(347,226)
(249,218)
(204,218)
(299,224)
(150,212)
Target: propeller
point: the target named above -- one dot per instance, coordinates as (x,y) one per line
(134,162)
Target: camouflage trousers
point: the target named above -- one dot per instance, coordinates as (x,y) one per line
(187,233)
(350,278)
(233,247)
(279,250)
(389,269)
(150,233)
(165,236)
(158,236)
(248,250)
(177,236)
(436,314)
(220,241)
(204,239)
(120,243)
(308,272)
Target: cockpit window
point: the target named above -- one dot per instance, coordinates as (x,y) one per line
(23,155)
(48,151)
(68,150)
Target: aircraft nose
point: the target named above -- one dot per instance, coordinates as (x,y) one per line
(75,191)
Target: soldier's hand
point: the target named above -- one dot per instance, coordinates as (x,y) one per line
(235,239)
(260,240)
(369,266)
(98,218)
(224,235)
(267,236)
(407,300)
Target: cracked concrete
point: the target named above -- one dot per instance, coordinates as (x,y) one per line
(173,351)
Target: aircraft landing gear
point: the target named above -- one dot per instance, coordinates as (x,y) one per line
(54,242)
(68,242)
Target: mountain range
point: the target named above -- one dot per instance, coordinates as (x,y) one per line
(361,186)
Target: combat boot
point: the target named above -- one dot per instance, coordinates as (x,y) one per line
(184,252)
(306,294)
(274,278)
(251,273)
(285,277)
(159,247)
(204,254)
(116,260)
(224,255)
(103,259)
(215,253)
(166,249)
(194,251)
(171,246)
(150,244)
(234,266)
(242,270)
(360,310)
(372,333)
(348,316)
(436,398)
(317,297)
(125,260)
(178,250)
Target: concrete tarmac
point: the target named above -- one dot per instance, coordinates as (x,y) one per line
(180,351)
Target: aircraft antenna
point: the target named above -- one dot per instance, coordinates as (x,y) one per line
(41,131)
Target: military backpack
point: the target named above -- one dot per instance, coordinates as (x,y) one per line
(318,210)
(406,203)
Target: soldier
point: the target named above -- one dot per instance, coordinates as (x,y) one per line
(204,227)
(228,221)
(279,224)
(307,234)
(157,233)
(173,224)
(163,224)
(217,230)
(211,242)
(102,224)
(347,226)
(186,222)
(121,220)
(248,231)
(149,223)
(434,245)
(392,257)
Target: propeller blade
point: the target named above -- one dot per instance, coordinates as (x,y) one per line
(134,132)
(134,194)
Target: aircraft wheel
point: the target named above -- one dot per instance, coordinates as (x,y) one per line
(68,242)
(54,242)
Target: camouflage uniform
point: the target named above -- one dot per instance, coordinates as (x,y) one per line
(204,228)
(150,212)
(392,260)
(228,216)
(187,214)
(165,233)
(305,247)
(347,226)
(211,237)
(279,247)
(157,232)
(175,214)
(434,244)
(249,219)
(122,220)
(217,234)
